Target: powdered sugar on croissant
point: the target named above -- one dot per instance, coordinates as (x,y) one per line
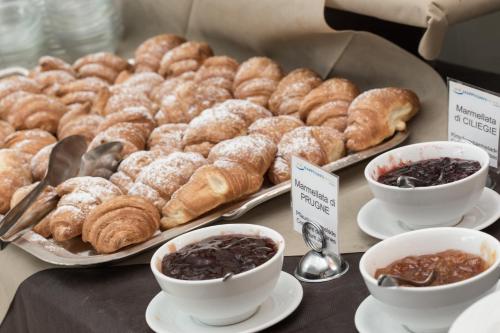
(149,54)
(187,57)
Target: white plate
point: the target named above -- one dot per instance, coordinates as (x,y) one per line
(481,316)
(369,318)
(375,221)
(162,316)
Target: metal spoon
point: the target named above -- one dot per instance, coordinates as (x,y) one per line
(386,280)
(227,276)
(101,161)
(406,181)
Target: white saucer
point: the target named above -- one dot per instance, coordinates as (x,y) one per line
(162,316)
(481,316)
(369,318)
(375,221)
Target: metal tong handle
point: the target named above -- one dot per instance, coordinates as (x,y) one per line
(15,213)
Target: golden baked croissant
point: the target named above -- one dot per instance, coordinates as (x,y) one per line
(107,102)
(49,63)
(79,196)
(45,201)
(5,130)
(237,170)
(221,122)
(40,162)
(327,104)
(119,222)
(79,121)
(167,138)
(291,90)
(164,176)
(29,141)
(14,173)
(131,167)
(256,79)
(275,127)
(149,54)
(51,72)
(169,86)
(376,115)
(142,83)
(139,116)
(12,88)
(318,145)
(36,111)
(81,91)
(187,57)
(218,71)
(103,65)
(132,137)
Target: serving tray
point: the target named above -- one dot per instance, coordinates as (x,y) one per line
(75,252)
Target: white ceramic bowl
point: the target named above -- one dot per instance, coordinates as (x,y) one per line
(431,206)
(431,309)
(215,302)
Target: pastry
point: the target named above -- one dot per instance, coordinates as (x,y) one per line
(256,79)
(237,170)
(107,102)
(36,111)
(318,145)
(218,71)
(119,222)
(143,83)
(81,91)
(376,115)
(103,65)
(139,116)
(167,138)
(79,121)
(14,173)
(327,104)
(169,86)
(131,167)
(275,127)
(29,141)
(40,162)
(130,135)
(49,63)
(221,122)
(164,176)
(44,202)
(291,90)
(79,196)
(51,72)
(149,54)
(187,57)
(14,87)
(5,130)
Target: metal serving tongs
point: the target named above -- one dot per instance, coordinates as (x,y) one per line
(67,159)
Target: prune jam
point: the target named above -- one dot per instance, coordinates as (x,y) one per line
(450,266)
(432,171)
(216,256)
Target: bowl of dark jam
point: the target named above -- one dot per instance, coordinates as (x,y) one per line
(466,264)
(430,184)
(220,274)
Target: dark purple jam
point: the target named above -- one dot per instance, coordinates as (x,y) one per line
(214,257)
(432,172)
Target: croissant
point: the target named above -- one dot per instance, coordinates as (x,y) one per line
(318,145)
(14,173)
(81,91)
(167,138)
(119,222)
(40,162)
(13,84)
(221,122)
(291,90)
(237,170)
(138,116)
(327,104)
(275,127)
(169,86)
(164,176)
(376,114)
(218,71)
(131,135)
(29,141)
(187,57)
(49,63)
(131,167)
(103,65)
(36,111)
(142,83)
(5,130)
(79,196)
(149,54)
(51,72)
(256,79)
(45,201)
(79,121)
(107,102)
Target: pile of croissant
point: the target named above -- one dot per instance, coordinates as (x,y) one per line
(198,131)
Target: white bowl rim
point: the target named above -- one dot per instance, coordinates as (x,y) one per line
(370,179)
(368,277)
(279,252)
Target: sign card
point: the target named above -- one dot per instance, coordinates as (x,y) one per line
(474,116)
(315,199)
